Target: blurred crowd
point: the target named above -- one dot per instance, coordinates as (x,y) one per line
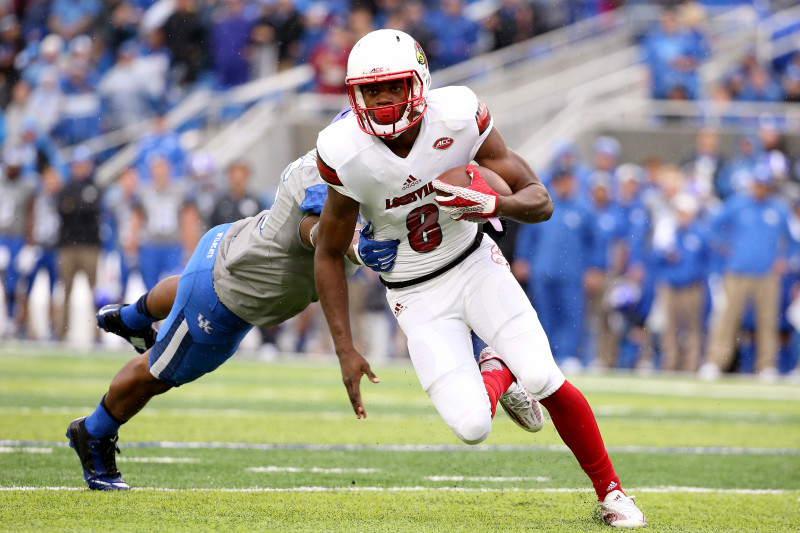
(72,69)
(146,223)
(676,48)
(637,269)
(691,267)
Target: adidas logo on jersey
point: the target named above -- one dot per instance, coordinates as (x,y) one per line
(410,182)
(399,308)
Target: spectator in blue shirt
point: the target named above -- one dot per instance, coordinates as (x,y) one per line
(752,234)
(229,39)
(565,157)
(551,258)
(760,86)
(455,34)
(38,150)
(683,262)
(69,18)
(47,56)
(673,55)
(161,141)
(81,107)
(747,151)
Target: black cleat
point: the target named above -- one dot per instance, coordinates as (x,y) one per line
(109,319)
(97,457)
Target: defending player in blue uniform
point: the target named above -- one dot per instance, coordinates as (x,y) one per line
(257,271)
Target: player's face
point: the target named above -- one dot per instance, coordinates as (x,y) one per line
(386,100)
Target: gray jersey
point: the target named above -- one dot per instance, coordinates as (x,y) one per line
(14,198)
(263,271)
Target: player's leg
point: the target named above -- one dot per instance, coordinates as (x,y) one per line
(503,388)
(501,314)
(134,322)
(441,352)
(184,351)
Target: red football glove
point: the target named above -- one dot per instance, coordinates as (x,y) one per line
(476,201)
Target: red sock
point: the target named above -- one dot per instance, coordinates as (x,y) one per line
(575,423)
(497,383)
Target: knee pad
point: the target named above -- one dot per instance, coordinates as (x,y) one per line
(474,427)
(542,382)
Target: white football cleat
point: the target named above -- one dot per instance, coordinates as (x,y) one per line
(618,510)
(517,402)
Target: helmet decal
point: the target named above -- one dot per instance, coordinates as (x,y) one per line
(420,54)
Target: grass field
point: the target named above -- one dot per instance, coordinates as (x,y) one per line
(276,447)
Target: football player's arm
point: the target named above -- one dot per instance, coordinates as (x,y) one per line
(530,201)
(308,234)
(333,237)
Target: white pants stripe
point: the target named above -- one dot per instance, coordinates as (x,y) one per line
(169,352)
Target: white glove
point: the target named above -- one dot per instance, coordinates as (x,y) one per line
(475,203)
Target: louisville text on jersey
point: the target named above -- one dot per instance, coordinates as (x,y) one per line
(416,194)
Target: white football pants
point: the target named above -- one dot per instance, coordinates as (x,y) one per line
(479,294)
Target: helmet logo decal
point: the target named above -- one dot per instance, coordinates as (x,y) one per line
(443,143)
(420,54)
(376,70)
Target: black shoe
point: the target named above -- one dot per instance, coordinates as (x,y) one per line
(97,457)
(109,319)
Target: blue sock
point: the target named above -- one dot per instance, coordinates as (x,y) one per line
(100,423)
(136,316)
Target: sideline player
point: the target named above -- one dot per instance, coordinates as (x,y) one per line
(448,278)
(257,271)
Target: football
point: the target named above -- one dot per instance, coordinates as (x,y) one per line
(458,176)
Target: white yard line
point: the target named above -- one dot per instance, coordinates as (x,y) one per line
(24,449)
(661,413)
(655,450)
(160,460)
(656,490)
(491,479)
(313,470)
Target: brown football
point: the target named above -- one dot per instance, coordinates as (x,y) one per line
(458,176)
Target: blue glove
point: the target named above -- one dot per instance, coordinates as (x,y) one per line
(377,255)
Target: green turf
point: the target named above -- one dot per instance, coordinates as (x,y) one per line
(750,433)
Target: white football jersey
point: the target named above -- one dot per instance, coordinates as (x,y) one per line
(395,193)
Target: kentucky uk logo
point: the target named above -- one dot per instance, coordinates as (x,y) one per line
(204,324)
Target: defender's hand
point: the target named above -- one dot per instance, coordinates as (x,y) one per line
(476,202)
(353,367)
(377,255)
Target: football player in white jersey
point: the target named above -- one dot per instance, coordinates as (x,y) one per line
(447,278)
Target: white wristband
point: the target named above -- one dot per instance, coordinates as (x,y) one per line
(311,234)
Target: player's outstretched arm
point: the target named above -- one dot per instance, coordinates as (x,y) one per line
(530,201)
(333,237)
